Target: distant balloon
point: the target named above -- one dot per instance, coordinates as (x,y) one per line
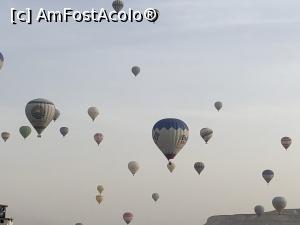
(98,137)
(5,136)
(25,131)
(118,5)
(199,166)
(64,131)
(1,60)
(206,134)
(128,216)
(170,135)
(136,70)
(259,210)
(218,105)
(99,198)
(40,113)
(286,142)
(56,115)
(279,204)
(155,196)
(133,166)
(93,113)
(171,166)
(268,175)
(100,189)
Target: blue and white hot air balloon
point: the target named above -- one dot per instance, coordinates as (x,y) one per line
(170,135)
(1,60)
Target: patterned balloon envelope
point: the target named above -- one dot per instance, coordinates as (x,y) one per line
(170,135)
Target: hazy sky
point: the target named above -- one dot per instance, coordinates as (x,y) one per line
(244,53)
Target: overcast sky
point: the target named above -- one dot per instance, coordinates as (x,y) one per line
(244,53)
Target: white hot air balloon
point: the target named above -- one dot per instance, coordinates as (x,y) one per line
(98,137)
(5,136)
(93,112)
(259,210)
(133,166)
(199,167)
(279,204)
(40,112)
(206,134)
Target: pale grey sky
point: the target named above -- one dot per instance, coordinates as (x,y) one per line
(244,53)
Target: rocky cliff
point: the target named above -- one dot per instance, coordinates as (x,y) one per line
(288,217)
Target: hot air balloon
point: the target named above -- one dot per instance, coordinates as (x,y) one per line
(1,60)
(99,198)
(199,166)
(64,131)
(170,135)
(136,70)
(78,224)
(40,113)
(286,142)
(93,112)
(218,105)
(118,5)
(100,189)
(5,136)
(155,196)
(56,115)
(279,204)
(171,166)
(206,134)
(259,210)
(128,216)
(25,131)
(133,166)
(98,137)
(268,175)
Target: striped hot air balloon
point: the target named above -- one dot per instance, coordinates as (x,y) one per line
(40,113)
